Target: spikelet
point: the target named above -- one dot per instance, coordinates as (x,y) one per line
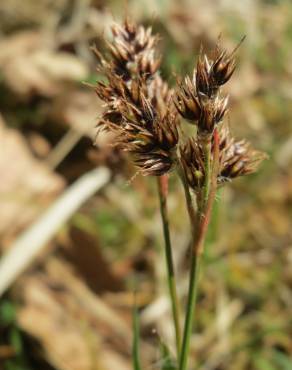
(200,101)
(236,158)
(143,112)
(138,104)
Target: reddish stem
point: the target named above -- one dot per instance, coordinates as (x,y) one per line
(163,181)
(206,217)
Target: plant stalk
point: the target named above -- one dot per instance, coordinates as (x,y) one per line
(197,250)
(207,159)
(189,203)
(192,295)
(162,183)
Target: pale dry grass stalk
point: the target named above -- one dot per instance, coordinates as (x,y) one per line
(32,242)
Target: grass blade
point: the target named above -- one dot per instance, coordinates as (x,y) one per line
(135,348)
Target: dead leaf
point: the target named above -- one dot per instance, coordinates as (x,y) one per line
(85,255)
(62,337)
(29,65)
(76,329)
(24,180)
(77,109)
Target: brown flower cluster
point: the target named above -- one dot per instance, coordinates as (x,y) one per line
(143,112)
(138,104)
(236,158)
(200,101)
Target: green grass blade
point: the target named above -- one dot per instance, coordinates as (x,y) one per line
(282,360)
(135,348)
(167,361)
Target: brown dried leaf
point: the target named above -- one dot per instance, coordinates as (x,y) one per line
(29,65)
(63,338)
(85,255)
(77,109)
(23,178)
(76,329)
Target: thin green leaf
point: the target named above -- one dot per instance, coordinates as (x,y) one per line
(262,363)
(7,312)
(282,360)
(135,349)
(167,361)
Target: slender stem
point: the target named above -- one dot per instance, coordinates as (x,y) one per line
(192,295)
(207,159)
(197,251)
(211,197)
(162,189)
(189,202)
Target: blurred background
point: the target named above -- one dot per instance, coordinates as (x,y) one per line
(71,308)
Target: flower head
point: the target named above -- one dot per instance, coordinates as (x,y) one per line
(138,103)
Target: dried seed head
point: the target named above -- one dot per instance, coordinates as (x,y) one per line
(211,74)
(145,127)
(198,100)
(240,160)
(140,113)
(160,94)
(222,68)
(148,64)
(201,76)
(131,73)
(140,109)
(186,102)
(166,131)
(192,160)
(152,143)
(156,163)
(236,158)
(212,113)
(133,50)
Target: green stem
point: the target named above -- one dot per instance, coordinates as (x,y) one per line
(207,159)
(192,295)
(189,202)
(209,192)
(162,189)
